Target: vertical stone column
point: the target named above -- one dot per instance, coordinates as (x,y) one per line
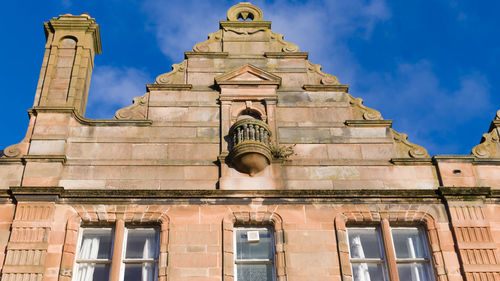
(479,256)
(28,244)
(72,42)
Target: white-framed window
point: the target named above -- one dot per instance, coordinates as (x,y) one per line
(138,260)
(371,261)
(367,255)
(412,254)
(254,255)
(95,250)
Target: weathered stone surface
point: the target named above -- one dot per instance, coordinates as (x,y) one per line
(165,161)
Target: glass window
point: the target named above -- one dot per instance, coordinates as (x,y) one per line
(366,253)
(254,257)
(368,258)
(412,255)
(93,261)
(95,254)
(141,254)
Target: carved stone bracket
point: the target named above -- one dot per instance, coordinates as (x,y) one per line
(405,149)
(213,44)
(362,112)
(176,76)
(286,47)
(316,76)
(138,110)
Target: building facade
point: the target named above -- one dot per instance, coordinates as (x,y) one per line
(245,162)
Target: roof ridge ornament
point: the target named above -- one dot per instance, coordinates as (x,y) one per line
(244,11)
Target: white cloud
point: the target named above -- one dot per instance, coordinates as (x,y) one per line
(413,94)
(112,88)
(422,107)
(318,27)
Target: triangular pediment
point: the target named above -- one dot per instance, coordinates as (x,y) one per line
(248,74)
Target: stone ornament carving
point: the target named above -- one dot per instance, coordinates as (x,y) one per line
(244,31)
(362,112)
(488,148)
(244,10)
(138,109)
(316,76)
(15,150)
(213,44)
(176,76)
(286,47)
(405,149)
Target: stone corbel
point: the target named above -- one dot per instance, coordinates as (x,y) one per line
(316,76)
(176,76)
(213,44)
(406,149)
(137,111)
(362,112)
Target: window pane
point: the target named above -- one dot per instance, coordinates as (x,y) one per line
(368,272)
(140,272)
(364,243)
(414,271)
(408,243)
(92,272)
(96,243)
(261,249)
(142,243)
(254,272)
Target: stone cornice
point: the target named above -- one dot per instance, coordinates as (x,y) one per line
(369,123)
(191,54)
(411,161)
(168,87)
(454,193)
(287,55)
(319,88)
(90,122)
(44,158)
(245,24)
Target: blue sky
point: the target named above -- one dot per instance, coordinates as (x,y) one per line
(429,65)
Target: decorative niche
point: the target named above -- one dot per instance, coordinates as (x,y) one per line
(248,104)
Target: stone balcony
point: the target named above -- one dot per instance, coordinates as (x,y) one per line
(250,149)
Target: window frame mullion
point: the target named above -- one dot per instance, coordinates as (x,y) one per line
(390,254)
(116,262)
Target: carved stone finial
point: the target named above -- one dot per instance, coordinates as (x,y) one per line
(498,115)
(405,149)
(362,112)
(488,148)
(244,10)
(136,111)
(176,76)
